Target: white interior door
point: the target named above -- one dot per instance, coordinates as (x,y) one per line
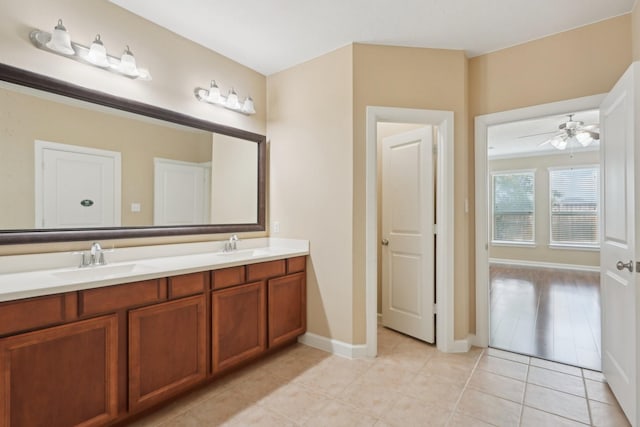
(620,227)
(181,193)
(76,187)
(407,233)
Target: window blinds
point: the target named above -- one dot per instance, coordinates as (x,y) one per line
(513,207)
(575,206)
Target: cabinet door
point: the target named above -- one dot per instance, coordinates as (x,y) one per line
(60,376)
(167,349)
(238,324)
(287,308)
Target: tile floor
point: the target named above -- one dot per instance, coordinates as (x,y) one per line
(408,384)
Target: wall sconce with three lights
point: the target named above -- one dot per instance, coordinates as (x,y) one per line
(231,101)
(59,42)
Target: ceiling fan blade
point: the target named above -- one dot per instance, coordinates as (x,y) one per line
(535,134)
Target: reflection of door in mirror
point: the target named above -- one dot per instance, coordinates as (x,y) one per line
(76,187)
(181,192)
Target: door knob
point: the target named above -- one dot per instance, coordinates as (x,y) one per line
(621,266)
(385,242)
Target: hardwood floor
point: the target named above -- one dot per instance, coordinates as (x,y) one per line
(550,314)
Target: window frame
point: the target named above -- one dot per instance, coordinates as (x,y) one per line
(515,243)
(573,245)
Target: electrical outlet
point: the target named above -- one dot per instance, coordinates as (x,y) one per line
(276,226)
(135,207)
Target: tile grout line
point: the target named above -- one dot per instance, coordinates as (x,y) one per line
(524,393)
(586,394)
(466,384)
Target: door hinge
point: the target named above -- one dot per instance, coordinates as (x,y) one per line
(435,149)
(435,308)
(435,228)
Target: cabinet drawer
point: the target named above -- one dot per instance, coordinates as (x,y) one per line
(187,284)
(226,277)
(112,298)
(296,265)
(265,270)
(33,313)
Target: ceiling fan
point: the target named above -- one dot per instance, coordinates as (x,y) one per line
(574,133)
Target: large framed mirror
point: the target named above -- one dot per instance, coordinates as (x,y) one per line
(78,164)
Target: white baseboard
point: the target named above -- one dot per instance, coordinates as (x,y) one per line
(339,348)
(544,264)
(460,346)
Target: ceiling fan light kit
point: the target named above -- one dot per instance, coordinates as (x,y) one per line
(574,133)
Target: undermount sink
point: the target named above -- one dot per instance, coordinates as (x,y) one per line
(247,253)
(100,272)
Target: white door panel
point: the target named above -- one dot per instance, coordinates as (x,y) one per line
(620,226)
(407,224)
(76,187)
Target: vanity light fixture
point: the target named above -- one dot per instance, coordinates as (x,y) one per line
(59,42)
(231,101)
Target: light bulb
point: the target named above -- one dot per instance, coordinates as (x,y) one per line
(248,107)
(214,93)
(128,63)
(559,142)
(584,138)
(232,100)
(60,40)
(97,53)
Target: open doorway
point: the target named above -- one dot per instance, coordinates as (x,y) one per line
(543,202)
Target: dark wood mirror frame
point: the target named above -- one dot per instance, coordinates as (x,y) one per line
(37,81)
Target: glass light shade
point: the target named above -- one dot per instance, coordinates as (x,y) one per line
(248,107)
(97,53)
(584,138)
(214,93)
(559,142)
(60,40)
(128,63)
(232,100)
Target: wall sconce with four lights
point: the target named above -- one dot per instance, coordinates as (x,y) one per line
(59,42)
(231,101)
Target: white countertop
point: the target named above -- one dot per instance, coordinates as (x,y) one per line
(26,276)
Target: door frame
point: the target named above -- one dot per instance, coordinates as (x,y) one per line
(482,124)
(443,121)
(41,145)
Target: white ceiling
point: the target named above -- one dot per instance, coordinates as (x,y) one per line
(527,137)
(271,35)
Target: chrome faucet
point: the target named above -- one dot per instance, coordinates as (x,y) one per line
(232,244)
(94,257)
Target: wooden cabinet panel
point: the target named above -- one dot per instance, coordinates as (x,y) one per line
(266,270)
(238,324)
(61,376)
(33,313)
(112,298)
(188,284)
(226,277)
(167,349)
(287,308)
(296,265)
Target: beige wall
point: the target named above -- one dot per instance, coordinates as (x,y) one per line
(430,79)
(234,189)
(310,125)
(546,70)
(176,64)
(31,118)
(542,252)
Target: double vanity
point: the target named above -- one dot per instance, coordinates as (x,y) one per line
(98,345)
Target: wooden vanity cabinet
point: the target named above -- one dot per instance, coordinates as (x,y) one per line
(60,376)
(167,349)
(238,324)
(287,308)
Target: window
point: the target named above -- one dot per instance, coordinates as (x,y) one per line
(575,206)
(513,207)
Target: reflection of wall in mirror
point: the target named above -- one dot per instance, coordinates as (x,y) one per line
(234,170)
(26,118)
